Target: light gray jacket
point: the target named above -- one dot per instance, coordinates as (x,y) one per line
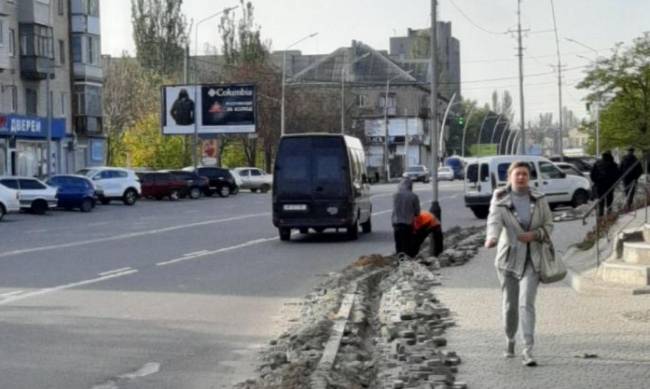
(502,225)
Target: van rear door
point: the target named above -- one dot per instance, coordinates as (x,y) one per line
(312,179)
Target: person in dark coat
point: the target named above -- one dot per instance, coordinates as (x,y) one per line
(604,175)
(406,206)
(183,109)
(629,162)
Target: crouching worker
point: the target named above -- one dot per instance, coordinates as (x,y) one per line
(425,224)
(406,206)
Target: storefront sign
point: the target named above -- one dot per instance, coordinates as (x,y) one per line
(30,127)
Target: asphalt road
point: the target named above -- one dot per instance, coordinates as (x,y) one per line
(164,294)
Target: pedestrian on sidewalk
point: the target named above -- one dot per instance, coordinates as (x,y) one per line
(630,162)
(406,206)
(519,220)
(604,175)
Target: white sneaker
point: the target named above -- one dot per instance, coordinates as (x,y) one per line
(527,358)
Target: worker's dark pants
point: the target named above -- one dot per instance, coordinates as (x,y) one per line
(606,203)
(403,234)
(421,235)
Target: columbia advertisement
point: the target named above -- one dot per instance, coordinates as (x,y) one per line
(208,109)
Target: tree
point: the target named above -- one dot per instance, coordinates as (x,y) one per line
(159,32)
(146,146)
(127,97)
(621,84)
(506,106)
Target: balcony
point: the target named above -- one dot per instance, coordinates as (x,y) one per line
(4,8)
(35,68)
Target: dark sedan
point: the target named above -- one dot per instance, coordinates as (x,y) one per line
(74,192)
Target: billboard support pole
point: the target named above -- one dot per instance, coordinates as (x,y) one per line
(195,142)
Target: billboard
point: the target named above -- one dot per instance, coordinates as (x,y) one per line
(210,109)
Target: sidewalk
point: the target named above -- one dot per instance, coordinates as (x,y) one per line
(615,327)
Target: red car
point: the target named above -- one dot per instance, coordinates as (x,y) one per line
(158,185)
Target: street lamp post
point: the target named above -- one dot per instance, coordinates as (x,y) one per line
(444,122)
(480,132)
(471,112)
(195,142)
(284,65)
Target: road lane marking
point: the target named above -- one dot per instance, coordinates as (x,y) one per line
(148,369)
(130,235)
(114,271)
(9,294)
(205,253)
(195,253)
(54,289)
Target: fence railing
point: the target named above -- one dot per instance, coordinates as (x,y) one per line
(604,222)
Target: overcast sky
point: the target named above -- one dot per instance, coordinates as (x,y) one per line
(487,52)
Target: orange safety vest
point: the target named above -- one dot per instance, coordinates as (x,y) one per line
(425,219)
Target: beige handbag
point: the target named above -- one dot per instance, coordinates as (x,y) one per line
(552,269)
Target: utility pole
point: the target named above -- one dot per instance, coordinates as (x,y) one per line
(521,80)
(435,206)
(559,83)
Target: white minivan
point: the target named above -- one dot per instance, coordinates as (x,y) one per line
(484,175)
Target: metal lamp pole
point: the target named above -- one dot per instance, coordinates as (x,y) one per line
(471,112)
(196,76)
(284,65)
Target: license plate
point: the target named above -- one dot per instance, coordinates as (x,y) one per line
(295,207)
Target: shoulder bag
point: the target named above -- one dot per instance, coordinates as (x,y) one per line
(552,269)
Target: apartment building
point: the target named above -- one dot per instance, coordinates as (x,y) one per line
(59,38)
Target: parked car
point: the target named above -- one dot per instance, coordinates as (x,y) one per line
(220,181)
(75,191)
(157,185)
(417,173)
(9,201)
(114,183)
(195,185)
(445,173)
(34,195)
(254,179)
(570,168)
(484,175)
(584,164)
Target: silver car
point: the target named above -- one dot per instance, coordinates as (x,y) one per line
(253,178)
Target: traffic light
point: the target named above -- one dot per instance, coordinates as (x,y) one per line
(461,121)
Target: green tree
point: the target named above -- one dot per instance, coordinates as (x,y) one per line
(621,83)
(160,35)
(247,60)
(146,146)
(127,97)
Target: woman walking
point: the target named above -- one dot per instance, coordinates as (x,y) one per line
(518,222)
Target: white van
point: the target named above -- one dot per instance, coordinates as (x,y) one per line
(484,175)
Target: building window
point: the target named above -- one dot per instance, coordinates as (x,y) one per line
(362,101)
(62,103)
(36,40)
(93,50)
(2,33)
(93,8)
(31,102)
(12,42)
(61,52)
(61,7)
(77,49)
(391,101)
